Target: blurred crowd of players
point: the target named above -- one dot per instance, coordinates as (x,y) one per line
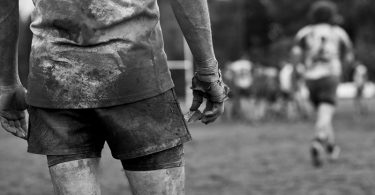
(306,83)
(261,93)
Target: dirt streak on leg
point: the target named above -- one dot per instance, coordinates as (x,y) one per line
(169,181)
(76,177)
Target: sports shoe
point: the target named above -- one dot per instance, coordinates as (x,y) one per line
(333,151)
(317,152)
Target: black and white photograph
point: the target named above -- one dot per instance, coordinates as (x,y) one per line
(187,97)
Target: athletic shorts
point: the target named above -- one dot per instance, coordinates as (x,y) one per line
(131,130)
(323,90)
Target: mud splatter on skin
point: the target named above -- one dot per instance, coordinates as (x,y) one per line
(164,181)
(76,177)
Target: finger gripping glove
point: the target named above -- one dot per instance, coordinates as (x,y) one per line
(216,91)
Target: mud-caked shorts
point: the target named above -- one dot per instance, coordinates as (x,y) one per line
(131,130)
(323,90)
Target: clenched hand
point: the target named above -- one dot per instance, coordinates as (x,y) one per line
(215,92)
(13,114)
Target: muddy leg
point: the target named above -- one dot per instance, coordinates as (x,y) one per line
(76,177)
(157,182)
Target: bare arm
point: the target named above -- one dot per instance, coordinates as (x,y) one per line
(8,42)
(13,115)
(194,20)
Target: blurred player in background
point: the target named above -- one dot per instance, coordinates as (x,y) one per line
(266,90)
(254,90)
(360,77)
(293,91)
(238,76)
(324,48)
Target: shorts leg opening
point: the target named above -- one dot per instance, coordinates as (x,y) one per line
(165,159)
(53,160)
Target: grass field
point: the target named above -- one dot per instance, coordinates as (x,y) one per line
(232,159)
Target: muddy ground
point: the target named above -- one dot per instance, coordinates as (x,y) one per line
(232,159)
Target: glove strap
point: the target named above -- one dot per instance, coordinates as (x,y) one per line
(207,71)
(215,91)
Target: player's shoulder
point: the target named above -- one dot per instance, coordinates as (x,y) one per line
(325,29)
(339,30)
(330,29)
(304,31)
(308,29)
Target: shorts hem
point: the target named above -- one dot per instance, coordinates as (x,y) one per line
(155,167)
(56,162)
(141,152)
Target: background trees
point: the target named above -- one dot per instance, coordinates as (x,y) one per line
(264,29)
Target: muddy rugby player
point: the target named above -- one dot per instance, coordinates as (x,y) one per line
(98,73)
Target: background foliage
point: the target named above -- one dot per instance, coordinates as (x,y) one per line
(264,29)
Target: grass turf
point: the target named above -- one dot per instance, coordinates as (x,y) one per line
(232,159)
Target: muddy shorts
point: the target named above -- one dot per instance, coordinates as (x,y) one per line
(131,131)
(323,90)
